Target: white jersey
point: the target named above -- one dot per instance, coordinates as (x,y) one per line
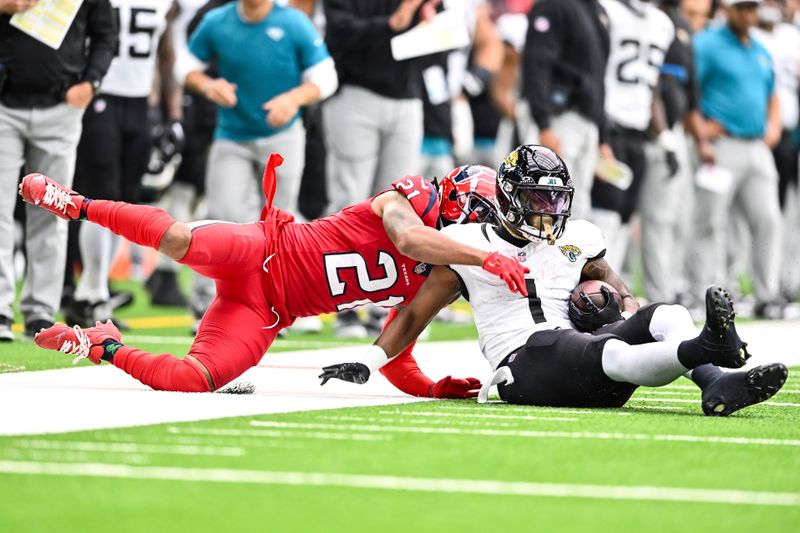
(504,319)
(141,24)
(640,36)
(783,44)
(180,26)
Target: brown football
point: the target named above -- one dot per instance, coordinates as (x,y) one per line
(592,289)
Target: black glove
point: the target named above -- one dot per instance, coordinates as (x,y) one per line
(595,317)
(672,163)
(352,372)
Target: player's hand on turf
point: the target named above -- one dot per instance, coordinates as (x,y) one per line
(281,109)
(453,388)
(509,270)
(352,372)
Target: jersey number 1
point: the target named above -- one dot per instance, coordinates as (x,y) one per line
(336,262)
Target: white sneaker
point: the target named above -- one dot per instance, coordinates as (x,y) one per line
(307,324)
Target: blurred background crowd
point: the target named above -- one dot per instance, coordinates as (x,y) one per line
(678,120)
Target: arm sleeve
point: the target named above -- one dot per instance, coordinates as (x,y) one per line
(200,42)
(402,371)
(102,32)
(423,197)
(351,31)
(543,48)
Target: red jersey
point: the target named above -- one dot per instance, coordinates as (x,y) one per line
(346,260)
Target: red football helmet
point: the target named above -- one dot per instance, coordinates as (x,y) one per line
(467,194)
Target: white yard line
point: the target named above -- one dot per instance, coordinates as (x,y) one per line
(642,398)
(413,484)
(530,409)
(530,433)
(478,415)
(318,435)
(130,447)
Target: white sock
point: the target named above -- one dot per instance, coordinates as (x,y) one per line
(98,246)
(652,365)
(672,323)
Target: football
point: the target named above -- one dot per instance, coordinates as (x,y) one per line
(592,290)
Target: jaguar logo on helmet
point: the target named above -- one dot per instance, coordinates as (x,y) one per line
(534,193)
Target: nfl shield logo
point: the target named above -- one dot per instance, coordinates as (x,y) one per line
(522,256)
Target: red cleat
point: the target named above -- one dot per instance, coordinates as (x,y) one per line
(63,202)
(83,343)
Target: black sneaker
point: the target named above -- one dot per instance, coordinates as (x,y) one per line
(164,289)
(79,313)
(736,390)
(6,335)
(34,326)
(718,337)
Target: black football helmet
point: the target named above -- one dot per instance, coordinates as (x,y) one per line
(534,192)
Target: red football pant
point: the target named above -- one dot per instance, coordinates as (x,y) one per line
(240,324)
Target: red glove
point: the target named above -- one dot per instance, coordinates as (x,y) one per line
(451,387)
(509,270)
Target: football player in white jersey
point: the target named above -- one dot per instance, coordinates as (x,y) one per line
(640,35)
(116,142)
(538,355)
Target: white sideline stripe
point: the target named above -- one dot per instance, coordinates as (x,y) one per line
(277,434)
(684,400)
(477,415)
(130,447)
(468,486)
(531,434)
(434,422)
(526,409)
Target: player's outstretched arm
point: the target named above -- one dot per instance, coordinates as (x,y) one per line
(416,240)
(404,373)
(437,291)
(599,269)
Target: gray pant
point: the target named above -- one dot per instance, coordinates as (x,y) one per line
(664,204)
(234,185)
(372,141)
(235,169)
(755,192)
(579,142)
(35,140)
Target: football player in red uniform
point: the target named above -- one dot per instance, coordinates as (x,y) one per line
(268,273)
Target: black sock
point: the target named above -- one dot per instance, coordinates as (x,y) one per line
(84,205)
(705,375)
(691,354)
(110,346)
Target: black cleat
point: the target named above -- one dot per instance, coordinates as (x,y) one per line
(736,390)
(719,338)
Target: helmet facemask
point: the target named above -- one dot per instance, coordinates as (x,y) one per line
(538,211)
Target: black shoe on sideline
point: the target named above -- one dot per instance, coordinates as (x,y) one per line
(719,338)
(33,327)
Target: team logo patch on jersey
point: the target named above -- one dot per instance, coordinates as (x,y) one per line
(423,269)
(276,34)
(570,251)
(522,256)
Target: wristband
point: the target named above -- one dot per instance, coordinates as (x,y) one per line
(374,358)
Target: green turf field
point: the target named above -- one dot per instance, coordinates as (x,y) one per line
(445,466)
